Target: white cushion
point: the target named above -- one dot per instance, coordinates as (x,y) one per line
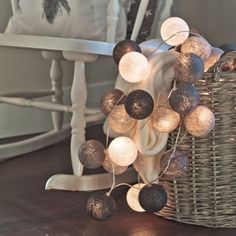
(83,19)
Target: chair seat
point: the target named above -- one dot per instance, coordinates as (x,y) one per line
(56,44)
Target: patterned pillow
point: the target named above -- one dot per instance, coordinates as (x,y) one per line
(84,19)
(146,28)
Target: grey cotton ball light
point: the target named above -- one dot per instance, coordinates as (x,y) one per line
(153,198)
(139,104)
(227,47)
(91,154)
(184,99)
(189,68)
(178,165)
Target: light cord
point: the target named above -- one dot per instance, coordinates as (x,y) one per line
(169,150)
(173,153)
(177,137)
(113,180)
(172,90)
(165,41)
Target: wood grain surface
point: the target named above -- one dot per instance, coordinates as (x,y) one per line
(27,209)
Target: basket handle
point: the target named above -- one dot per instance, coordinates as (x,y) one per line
(217,68)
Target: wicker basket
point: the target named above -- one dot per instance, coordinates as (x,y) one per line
(207,195)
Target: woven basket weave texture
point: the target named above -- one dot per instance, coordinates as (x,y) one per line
(207,195)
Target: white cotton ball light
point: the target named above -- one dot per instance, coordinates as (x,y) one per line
(122,151)
(132,197)
(174,31)
(133,67)
(110,167)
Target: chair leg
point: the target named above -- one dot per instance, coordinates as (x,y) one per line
(78,123)
(89,182)
(77,181)
(56,75)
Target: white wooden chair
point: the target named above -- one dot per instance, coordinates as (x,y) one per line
(80,52)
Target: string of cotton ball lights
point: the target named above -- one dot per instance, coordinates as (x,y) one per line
(182,110)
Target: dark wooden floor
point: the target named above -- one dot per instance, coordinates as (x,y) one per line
(27,209)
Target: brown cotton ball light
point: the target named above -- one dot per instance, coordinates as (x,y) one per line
(111,98)
(184,99)
(200,121)
(230,65)
(197,45)
(189,68)
(214,57)
(178,165)
(124,47)
(100,206)
(109,166)
(91,154)
(164,119)
(230,62)
(119,120)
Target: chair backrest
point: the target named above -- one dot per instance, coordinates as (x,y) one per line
(113,11)
(14,5)
(112,17)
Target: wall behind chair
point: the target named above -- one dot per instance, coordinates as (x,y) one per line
(26,70)
(214,19)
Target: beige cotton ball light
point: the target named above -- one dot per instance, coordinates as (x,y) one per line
(119,120)
(200,121)
(197,45)
(164,119)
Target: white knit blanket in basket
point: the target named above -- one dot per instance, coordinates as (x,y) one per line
(150,142)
